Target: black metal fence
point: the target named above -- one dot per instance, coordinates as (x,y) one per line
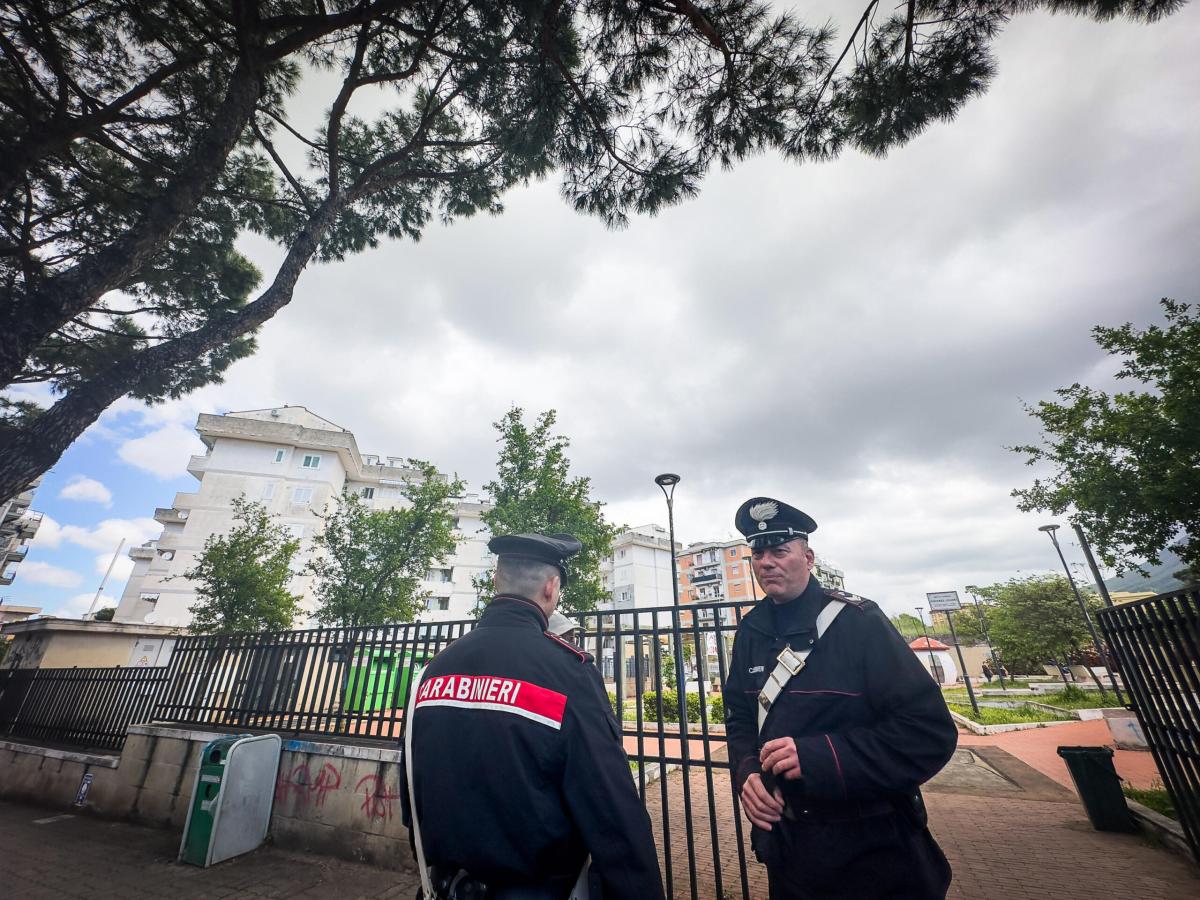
(1156,643)
(354,683)
(85,708)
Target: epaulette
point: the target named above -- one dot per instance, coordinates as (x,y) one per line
(567,645)
(845,597)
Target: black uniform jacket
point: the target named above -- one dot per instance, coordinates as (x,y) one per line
(870,727)
(519,770)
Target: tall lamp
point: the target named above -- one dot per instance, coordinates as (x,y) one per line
(1050,529)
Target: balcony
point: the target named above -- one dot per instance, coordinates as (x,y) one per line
(28,526)
(705,577)
(14,554)
(7,577)
(170,515)
(145,551)
(196,465)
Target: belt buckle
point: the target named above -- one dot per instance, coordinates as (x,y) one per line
(790,660)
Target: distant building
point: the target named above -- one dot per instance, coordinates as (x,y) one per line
(719,572)
(638,573)
(295,463)
(18,524)
(935,657)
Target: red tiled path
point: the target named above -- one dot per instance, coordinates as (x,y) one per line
(1038,748)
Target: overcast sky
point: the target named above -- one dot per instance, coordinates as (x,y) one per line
(855,338)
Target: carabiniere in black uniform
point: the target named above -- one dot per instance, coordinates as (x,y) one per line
(870,727)
(519,769)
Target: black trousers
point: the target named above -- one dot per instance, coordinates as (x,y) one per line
(883,857)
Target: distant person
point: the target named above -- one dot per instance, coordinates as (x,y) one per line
(833,726)
(516,761)
(987,673)
(567,629)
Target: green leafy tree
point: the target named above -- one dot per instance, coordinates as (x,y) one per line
(967,625)
(106,614)
(242,577)
(908,625)
(140,138)
(1127,466)
(369,563)
(535,492)
(1036,619)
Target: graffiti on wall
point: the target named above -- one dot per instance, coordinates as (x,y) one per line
(378,801)
(303,789)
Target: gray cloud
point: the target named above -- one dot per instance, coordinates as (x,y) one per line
(857,336)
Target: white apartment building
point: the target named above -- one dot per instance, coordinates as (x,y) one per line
(638,573)
(295,463)
(18,525)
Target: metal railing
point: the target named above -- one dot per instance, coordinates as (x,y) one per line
(1156,642)
(83,708)
(354,683)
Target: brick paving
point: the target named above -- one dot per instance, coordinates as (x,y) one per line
(90,859)
(1010,833)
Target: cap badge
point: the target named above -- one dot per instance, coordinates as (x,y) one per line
(761,512)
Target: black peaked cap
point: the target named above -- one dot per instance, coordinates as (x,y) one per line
(551,549)
(766,522)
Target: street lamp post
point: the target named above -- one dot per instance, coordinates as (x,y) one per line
(750,573)
(1050,529)
(928,646)
(667,482)
(987,638)
(1087,552)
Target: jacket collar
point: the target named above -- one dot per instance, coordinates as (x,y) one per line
(812,601)
(509,609)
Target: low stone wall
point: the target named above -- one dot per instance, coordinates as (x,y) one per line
(337,799)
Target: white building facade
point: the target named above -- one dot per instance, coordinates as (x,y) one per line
(295,463)
(638,573)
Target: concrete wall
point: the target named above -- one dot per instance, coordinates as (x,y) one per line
(56,650)
(337,799)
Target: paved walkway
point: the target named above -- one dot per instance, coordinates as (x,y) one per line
(47,855)
(1010,829)
(1038,747)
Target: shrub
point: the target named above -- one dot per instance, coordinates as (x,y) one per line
(716,709)
(670,704)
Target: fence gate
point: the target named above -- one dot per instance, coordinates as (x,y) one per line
(1156,643)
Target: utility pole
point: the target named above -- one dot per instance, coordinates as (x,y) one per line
(104,580)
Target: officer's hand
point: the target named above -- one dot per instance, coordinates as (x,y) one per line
(779,757)
(763,807)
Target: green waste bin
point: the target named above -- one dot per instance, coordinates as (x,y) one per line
(231,798)
(1099,787)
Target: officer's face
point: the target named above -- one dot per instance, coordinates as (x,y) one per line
(782,571)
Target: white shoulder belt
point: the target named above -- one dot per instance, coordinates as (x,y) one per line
(792,661)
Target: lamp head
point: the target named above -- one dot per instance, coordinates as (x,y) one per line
(1049,529)
(666,480)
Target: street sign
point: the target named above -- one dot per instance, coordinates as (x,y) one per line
(943,601)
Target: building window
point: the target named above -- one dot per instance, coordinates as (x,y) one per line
(295,531)
(302,495)
(732,553)
(442,603)
(148,598)
(311,461)
(279,455)
(268,491)
(620,554)
(367,493)
(735,569)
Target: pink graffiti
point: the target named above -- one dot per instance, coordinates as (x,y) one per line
(300,786)
(377,799)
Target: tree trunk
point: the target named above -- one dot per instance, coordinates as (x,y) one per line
(33,449)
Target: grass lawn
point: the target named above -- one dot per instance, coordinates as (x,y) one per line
(1077,699)
(1156,799)
(991,716)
